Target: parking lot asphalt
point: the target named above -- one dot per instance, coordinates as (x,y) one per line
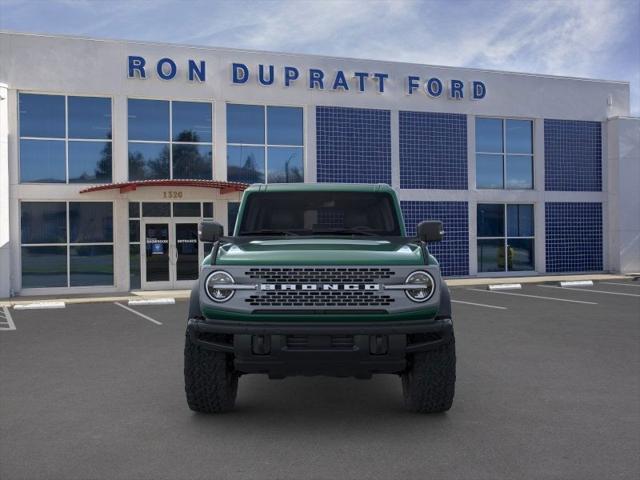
(548,387)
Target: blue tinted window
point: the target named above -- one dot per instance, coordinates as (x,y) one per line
(191,122)
(44,267)
(156,209)
(285,165)
(42,161)
(489,171)
(245,164)
(134,230)
(148,120)
(207,210)
(284,126)
(519,171)
(148,161)
(245,124)
(490,221)
(91,265)
(41,115)
(192,161)
(43,222)
(519,136)
(491,255)
(520,220)
(134,266)
(520,254)
(186,209)
(90,222)
(489,135)
(89,117)
(89,162)
(134,210)
(232,215)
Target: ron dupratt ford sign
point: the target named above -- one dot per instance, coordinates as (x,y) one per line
(314,78)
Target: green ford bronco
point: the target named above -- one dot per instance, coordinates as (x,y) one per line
(320,279)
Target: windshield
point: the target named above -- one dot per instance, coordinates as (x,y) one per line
(319,213)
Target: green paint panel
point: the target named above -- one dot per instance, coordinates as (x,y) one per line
(321,251)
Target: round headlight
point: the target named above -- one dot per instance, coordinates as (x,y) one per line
(216,292)
(425,286)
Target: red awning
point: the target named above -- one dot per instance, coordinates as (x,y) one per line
(224,187)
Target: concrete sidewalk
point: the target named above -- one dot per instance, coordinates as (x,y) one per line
(184,294)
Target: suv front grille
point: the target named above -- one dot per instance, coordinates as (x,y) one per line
(319,274)
(338,298)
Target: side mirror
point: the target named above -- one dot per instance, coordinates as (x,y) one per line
(430,231)
(210,231)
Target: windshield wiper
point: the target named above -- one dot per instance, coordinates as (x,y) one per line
(269,231)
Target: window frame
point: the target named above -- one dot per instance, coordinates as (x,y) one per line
(506,235)
(66,139)
(170,142)
(67,244)
(266,145)
(504,154)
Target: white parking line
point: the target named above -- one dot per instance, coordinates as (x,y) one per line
(479,304)
(535,296)
(7,324)
(138,313)
(623,284)
(153,301)
(591,290)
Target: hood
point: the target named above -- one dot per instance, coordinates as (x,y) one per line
(321,251)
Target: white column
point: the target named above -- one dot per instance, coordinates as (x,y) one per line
(472,195)
(220,141)
(5,244)
(395,149)
(120,155)
(540,243)
(311,162)
(623,196)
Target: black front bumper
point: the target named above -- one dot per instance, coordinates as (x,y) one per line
(335,349)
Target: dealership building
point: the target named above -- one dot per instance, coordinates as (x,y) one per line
(111,152)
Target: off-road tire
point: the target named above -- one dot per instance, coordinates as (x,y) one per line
(428,383)
(210,381)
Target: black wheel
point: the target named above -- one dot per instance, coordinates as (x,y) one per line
(428,383)
(210,381)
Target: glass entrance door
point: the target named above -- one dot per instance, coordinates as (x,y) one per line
(187,253)
(172,253)
(157,257)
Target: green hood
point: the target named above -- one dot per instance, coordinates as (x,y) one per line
(320,251)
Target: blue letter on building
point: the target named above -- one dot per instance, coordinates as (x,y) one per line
(261,79)
(290,74)
(479,90)
(194,71)
(412,84)
(136,64)
(433,87)
(316,77)
(236,68)
(455,89)
(172,68)
(340,81)
(362,77)
(380,77)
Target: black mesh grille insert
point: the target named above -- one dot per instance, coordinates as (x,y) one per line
(338,298)
(319,274)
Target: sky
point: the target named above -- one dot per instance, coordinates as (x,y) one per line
(579,38)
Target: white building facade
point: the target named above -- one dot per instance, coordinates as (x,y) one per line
(111,152)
